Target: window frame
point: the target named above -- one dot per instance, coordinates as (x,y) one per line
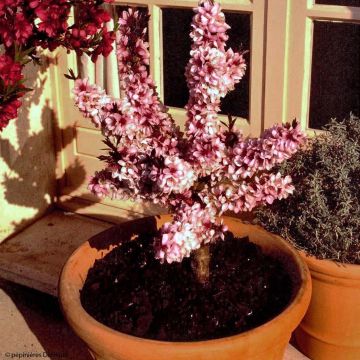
(302,15)
(73,197)
(281,49)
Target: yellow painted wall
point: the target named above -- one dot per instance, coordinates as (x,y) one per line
(27,156)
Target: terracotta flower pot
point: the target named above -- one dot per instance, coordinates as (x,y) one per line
(267,341)
(330,329)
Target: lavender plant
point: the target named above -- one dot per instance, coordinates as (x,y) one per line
(322,217)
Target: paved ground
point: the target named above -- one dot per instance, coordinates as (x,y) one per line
(32,327)
(35,256)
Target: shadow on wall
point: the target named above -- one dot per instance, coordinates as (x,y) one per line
(28,158)
(28,171)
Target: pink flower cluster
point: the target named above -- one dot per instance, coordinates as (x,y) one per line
(192,226)
(211,73)
(26,25)
(148,165)
(91,99)
(249,156)
(197,175)
(244,196)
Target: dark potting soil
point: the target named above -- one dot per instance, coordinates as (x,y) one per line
(130,291)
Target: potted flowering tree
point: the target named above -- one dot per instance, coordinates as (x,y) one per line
(178,291)
(322,219)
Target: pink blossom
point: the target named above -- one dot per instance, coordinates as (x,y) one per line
(209,25)
(245,196)
(211,73)
(275,145)
(100,185)
(177,175)
(191,227)
(91,100)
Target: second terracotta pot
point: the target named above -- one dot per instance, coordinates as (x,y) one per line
(330,329)
(267,341)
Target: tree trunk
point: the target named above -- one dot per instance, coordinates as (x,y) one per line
(201,264)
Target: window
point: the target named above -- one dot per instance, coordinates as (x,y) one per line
(289,75)
(324,61)
(338,2)
(335,72)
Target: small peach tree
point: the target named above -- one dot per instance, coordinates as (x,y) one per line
(199,174)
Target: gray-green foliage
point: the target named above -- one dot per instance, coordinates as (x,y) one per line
(323,215)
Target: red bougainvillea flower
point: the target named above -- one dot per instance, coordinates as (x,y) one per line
(8,6)
(10,89)
(10,71)
(87,13)
(53,15)
(105,46)
(22,28)
(26,26)
(8,111)
(14,27)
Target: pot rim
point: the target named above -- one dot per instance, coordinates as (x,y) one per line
(331,267)
(78,317)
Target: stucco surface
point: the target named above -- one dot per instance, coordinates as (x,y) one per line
(28,157)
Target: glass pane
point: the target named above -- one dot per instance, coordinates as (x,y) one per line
(176,53)
(338,2)
(335,74)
